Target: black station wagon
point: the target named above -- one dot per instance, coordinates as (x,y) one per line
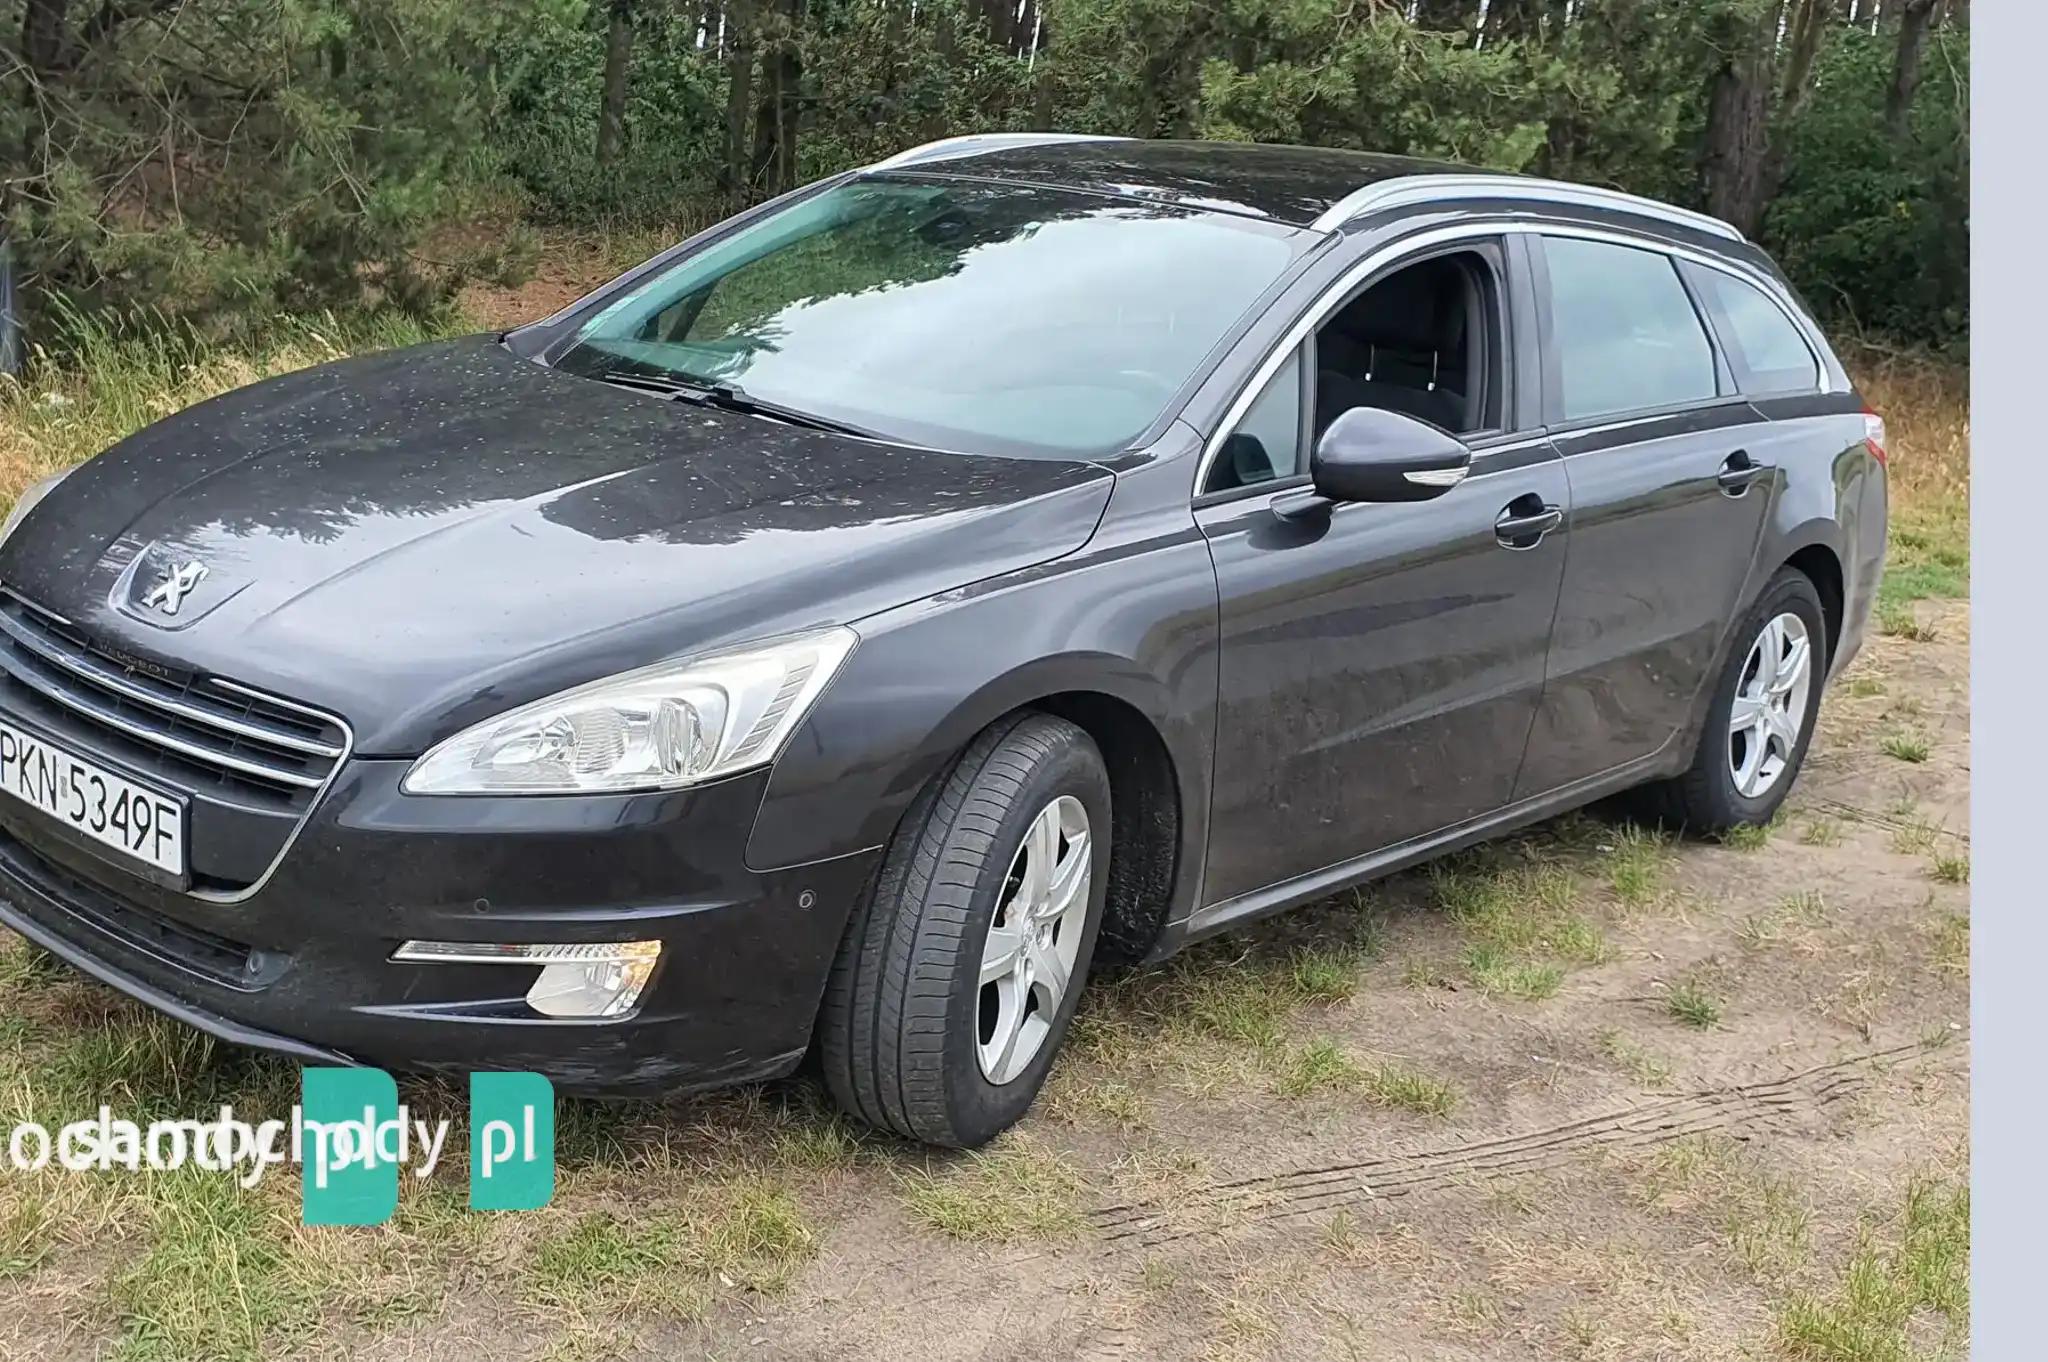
(840,634)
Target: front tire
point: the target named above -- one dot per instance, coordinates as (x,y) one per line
(1761,718)
(962,966)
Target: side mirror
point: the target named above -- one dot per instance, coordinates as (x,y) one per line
(1371,454)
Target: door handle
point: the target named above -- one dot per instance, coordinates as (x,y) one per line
(1525,520)
(1738,471)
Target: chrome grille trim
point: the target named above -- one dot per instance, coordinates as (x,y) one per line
(67,671)
(83,663)
(148,736)
(91,670)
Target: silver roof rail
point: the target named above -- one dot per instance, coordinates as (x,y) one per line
(1424,188)
(973,143)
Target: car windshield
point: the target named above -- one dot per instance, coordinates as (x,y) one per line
(967,315)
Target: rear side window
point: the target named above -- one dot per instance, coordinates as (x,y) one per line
(1623,330)
(1765,350)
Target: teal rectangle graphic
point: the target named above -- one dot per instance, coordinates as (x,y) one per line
(511,1141)
(342,1179)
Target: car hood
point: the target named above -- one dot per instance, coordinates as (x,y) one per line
(418,539)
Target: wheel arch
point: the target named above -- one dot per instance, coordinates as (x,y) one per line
(850,785)
(1151,791)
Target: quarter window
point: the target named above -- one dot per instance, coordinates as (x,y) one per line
(1764,348)
(1267,443)
(1624,331)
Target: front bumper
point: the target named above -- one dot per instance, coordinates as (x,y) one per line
(302,966)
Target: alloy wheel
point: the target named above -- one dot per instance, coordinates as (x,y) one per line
(1027,964)
(1770,705)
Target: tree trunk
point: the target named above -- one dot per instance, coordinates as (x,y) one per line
(618,61)
(1508,20)
(777,111)
(944,47)
(789,108)
(1446,14)
(1914,21)
(1043,92)
(1738,99)
(1804,29)
(739,91)
(1000,18)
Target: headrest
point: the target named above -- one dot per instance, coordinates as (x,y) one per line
(1421,308)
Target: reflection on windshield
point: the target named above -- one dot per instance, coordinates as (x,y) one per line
(975,316)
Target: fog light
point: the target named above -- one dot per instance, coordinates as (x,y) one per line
(592,979)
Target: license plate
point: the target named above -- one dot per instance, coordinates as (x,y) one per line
(85,796)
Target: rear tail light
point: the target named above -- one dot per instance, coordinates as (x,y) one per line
(1873,437)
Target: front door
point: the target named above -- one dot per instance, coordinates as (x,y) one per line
(1380,664)
(1379,670)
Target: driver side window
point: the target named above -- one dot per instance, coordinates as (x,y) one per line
(1424,341)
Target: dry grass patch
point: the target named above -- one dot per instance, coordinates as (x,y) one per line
(1649,1069)
(1952,943)
(1017,1188)
(116,380)
(1821,832)
(749,1234)
(1791,920)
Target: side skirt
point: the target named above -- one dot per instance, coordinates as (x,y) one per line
(1319,884)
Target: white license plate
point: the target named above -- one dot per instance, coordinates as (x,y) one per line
(133,819)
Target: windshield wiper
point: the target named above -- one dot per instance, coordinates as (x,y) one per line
(729,396)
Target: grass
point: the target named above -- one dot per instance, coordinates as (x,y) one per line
(1952,943)
(1498,975)
(750,1235)
(1906,745)
(1915,837)
(1691,1002)
(1322,1065)
(1649,1069)
(1017,1188)
(121,375)
(1635,868)
(1783,920)
(1747,837)
(1761,1218)
(1319,1066)
(1911,1270)
(1399,1088)
(1926,406)
(1950,869)
(1821,832)
(1522,923)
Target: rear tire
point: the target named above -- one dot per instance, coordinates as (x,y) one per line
(912,1035)
(1742,771)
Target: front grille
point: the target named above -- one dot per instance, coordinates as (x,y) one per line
(203,734)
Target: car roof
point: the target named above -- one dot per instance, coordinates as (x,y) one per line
(1315,187)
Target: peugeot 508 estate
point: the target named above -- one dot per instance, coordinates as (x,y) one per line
(845,631)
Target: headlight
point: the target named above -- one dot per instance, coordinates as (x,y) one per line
(26,502)
(669,725)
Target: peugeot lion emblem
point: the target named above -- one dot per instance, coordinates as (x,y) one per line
(171,589)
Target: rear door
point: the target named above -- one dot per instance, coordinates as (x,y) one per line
(1671,487)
